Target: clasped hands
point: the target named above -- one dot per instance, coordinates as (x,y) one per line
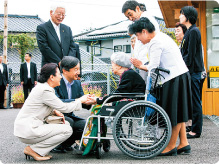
(89,99)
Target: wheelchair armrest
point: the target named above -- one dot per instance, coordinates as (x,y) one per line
(124,95)
(128,94)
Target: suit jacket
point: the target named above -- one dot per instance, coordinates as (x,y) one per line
(130,82)
(50,46)
(76,90)
(191,50)
(4,76)
(29,123)
(24,72)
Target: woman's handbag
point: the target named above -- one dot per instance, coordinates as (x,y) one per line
(54,120)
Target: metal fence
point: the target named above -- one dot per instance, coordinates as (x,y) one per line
(96,79)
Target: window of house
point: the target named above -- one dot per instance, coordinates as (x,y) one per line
(127,48)
(118,48)
(88,48)
(94,48)
(212,20)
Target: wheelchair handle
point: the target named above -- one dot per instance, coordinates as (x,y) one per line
(163,70)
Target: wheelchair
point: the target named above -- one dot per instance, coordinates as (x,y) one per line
(140,129)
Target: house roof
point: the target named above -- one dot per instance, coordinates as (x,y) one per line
(115,30)
(21,23)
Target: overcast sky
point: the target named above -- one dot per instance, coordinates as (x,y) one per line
(80,14)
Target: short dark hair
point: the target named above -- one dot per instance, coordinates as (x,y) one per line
(29,54)
(130,5)
(190,13)
(47,70)
(139,25)
(184,28)
(142,7)
(69,62)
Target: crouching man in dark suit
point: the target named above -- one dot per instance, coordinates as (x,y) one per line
(69,90)
(28,75)
(3,81)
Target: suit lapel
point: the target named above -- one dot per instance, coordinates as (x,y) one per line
(64,89)
(53,32)
(25,70)
(74,90)
(62,34)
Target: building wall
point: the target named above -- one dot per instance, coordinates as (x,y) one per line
(107,51)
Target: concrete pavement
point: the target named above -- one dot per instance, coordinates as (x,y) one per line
(204,149)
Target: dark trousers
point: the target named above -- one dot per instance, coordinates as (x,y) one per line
(2,92)
(197,118)
(77,125)
(27,87)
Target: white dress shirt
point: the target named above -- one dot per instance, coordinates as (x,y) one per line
(1,68)
(28,70)
(57,29)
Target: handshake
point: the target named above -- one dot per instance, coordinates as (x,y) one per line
(89,99)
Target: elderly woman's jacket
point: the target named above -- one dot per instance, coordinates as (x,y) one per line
(130,82)
(42,100)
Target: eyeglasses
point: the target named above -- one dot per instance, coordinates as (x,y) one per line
(59,15)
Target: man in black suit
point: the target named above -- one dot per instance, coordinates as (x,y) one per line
(3,81)
(28,75)
(55,39)
(70,89)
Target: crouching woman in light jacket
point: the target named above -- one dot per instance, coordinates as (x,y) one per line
(30,126)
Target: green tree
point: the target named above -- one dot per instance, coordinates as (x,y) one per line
(22,42)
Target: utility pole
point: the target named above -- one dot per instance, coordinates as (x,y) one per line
(5,44)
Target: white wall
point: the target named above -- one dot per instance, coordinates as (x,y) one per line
(106,53)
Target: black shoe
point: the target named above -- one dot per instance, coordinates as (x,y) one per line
(58,150)
(2,107)
(188,128)
(69,148)
(189,136)
(172,152)
(106,145)
(77,150)
(184,150)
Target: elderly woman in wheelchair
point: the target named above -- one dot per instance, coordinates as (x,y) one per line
(131,83)
(140,129)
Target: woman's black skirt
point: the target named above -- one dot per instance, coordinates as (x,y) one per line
(176,99)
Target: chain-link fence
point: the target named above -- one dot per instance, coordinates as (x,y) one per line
(96,79)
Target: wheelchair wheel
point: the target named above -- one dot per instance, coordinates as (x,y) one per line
(142,129)
(106,145)
(98,150)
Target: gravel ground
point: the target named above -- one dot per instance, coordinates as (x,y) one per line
(214,119)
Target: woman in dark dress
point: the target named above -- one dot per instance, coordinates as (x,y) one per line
(175,96)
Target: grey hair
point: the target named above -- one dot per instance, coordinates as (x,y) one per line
(57,5)
(121,59)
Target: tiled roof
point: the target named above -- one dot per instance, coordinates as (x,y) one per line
(115,31)
(21,23)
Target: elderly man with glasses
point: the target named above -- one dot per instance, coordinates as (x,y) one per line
(55,39)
